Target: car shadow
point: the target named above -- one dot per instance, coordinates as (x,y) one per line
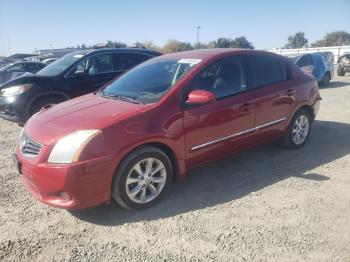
(334,84)
(236,176)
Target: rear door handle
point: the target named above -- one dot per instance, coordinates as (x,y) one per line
(246,107)
(291,92)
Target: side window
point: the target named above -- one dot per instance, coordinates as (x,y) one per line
(265,70)
(284,70)
(125,61)
(33,68)
(96,64)
(305,60)
(16,68)
(224,78)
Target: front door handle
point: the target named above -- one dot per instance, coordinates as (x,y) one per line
(246,107)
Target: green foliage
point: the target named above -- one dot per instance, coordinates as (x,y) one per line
(238,42)
(242,42)
(176,46)
(297,40)
(336,38)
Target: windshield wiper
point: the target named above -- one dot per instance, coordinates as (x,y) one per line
(119,97)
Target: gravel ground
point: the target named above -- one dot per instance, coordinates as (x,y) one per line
(265,204)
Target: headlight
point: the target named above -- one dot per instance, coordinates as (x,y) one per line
(69,148)
(15,90)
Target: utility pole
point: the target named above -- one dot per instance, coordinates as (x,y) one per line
(198,27)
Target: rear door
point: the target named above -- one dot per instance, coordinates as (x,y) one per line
(273,93)
(306,64)
(225,125)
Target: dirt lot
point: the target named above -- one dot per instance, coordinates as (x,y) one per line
(264,204)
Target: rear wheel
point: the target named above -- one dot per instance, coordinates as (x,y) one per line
(45,103)
(326,79)
(142,178)
(298,130)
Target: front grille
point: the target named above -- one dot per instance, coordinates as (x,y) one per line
(29,147)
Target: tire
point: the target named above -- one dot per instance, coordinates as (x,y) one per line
(44,103)
(290,140)
(326,79)
(340,72)
(141,185)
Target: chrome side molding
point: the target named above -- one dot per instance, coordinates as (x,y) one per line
(238,134)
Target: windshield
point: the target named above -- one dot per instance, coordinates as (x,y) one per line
(61,64)
(150,81)
(4,68)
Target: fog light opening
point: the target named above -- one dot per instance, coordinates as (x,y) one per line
(65,196)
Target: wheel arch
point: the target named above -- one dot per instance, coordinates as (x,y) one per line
(163,147)
(308,109)
(41,95)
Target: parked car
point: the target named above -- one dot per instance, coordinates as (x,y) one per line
(17,69)
(73,75)
(130,139)
(316,65)
(343,65)
(49,60)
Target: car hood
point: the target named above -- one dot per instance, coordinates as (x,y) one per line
(26,78)
(86,112)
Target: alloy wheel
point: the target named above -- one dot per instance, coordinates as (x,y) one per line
(300,129)
(146,180)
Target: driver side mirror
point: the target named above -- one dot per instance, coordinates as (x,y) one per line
(200,97)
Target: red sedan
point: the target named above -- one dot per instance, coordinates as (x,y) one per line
(131,139)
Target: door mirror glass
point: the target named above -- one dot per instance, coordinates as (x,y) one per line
(200,97)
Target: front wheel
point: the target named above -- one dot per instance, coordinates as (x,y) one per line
(298,130)
(340,72)
(142,178)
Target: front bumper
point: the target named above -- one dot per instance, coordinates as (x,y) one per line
(69,186)
(9,110)
(345,68)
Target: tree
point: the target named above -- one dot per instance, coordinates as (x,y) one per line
(238,42)
(115,44)
(297,40)
(336,38)
(223,42)
(151,45)
(176,46)
(242,42)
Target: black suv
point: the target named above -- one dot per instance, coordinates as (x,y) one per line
(73,75)
(343,65)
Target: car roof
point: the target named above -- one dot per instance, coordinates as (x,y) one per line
(206,54)
(119,50)
(26,62)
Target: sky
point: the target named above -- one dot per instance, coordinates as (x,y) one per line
(38,24)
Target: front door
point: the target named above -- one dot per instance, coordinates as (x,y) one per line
(91,74)
(225,125)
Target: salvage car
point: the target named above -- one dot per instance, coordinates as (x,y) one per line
(130,139)
(17,69)
(343,65)
(73,75)
(316,65)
